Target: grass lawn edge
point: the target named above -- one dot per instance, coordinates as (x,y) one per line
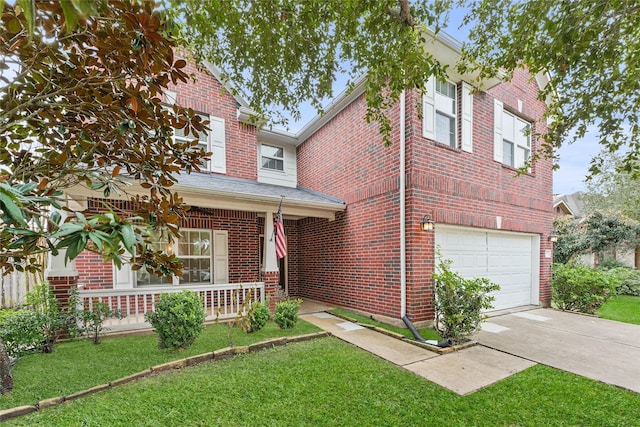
(382,330)
(224,353)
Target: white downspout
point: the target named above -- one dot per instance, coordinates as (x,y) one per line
(403,249)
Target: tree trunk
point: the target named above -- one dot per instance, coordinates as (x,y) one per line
(6,378)
(637,262)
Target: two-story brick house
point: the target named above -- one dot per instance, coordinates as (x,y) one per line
(353,208)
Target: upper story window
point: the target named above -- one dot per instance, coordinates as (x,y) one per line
(272,157)
(512,137)
(516,141)
(446,103)
(203,137)
(212,141)
(448,113)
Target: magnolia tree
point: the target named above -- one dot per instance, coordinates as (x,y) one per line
(81,106)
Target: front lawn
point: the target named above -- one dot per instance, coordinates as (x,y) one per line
(326,382)
(623,308)
(79,365)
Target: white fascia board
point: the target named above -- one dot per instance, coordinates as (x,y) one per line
(216,73)
(345,98)
(447,50)
(276,136)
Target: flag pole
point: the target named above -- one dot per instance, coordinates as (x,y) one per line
(273,232)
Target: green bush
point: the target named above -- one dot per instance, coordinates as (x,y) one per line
(287,313)
(21,331)
(178,319)
(579,288)
(459,302)
(627,279)
(258,316)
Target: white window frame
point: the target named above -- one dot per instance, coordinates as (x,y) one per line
(433,103)
(203,139)
(214,141)
(281,159)
(442,102)
(514,132)
(174,248)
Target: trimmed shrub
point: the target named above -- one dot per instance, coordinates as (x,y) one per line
(459,303)
(627,279)
(178,319)
(286,315)
(258,316)
(579,288)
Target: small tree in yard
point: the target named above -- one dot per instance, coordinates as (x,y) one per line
(93,319)
(459,302)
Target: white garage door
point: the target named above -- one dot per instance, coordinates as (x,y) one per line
(508,259)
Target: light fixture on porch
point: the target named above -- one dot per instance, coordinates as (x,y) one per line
(426,224)
(553,237)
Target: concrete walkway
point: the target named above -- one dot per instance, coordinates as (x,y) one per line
(462,372)
(600,349)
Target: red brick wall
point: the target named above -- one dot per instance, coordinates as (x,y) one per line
(94,273)
(354,261)
(243,228)
(208,96)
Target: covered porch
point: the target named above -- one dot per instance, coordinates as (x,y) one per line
(227,246)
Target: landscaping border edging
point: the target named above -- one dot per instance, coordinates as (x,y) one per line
(223,353)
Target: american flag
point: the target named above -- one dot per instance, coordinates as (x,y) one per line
(281,243)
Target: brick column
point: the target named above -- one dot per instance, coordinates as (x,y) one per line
(62,287)
(271,283)
(62,277)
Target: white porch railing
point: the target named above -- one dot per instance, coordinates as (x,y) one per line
(219,301)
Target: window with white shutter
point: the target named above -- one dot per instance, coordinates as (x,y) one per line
(512,137)
(441,114)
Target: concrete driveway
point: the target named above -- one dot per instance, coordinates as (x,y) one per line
(600,349)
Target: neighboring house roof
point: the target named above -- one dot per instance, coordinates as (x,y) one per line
(571,203)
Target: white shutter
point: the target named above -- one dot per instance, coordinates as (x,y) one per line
(220,256)
(497,131)
(218,145)
(123,277)
(428,109)
(467,117)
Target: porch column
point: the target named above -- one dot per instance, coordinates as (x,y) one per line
(62,277)
(269,260)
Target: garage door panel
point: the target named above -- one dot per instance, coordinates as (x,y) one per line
(505,259)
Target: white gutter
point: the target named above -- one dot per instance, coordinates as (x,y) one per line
(403,249)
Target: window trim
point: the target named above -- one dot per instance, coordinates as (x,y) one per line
(454,116)
(463,117)
(283,159)
(501,114)
(207,149)
(174,247)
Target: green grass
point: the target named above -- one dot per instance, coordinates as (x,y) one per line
(326,382)
(427,333)
(623,308)
(79,365)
